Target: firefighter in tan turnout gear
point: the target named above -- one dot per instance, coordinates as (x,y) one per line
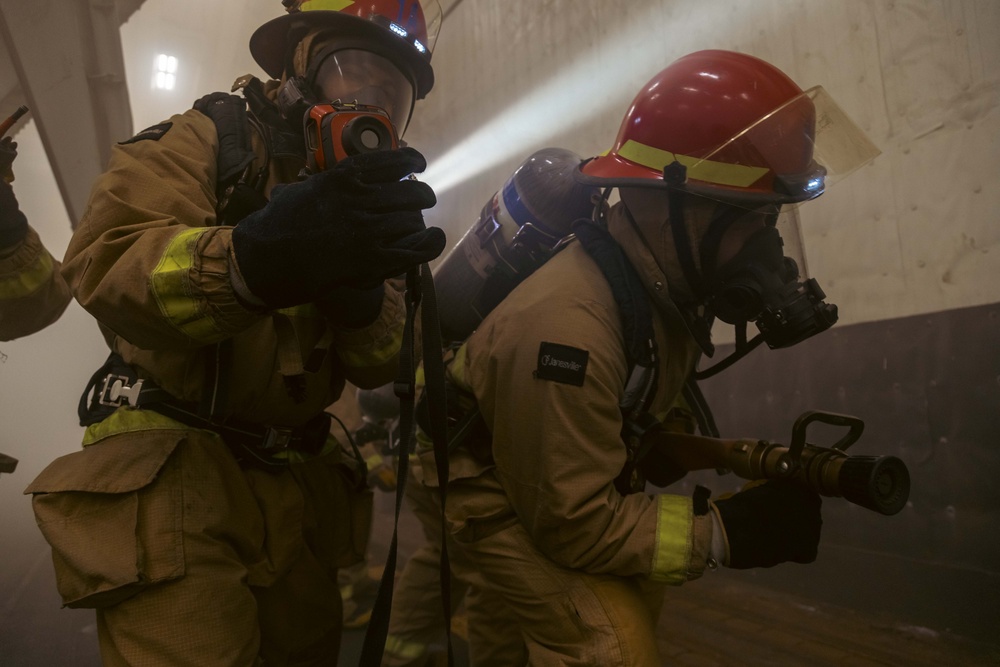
(548,501)
(32,292)
(235,263)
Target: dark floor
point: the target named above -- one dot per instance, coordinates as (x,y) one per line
(720,623)
(726,619)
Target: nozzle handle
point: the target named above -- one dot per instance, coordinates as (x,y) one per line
(878,483)
(13,118)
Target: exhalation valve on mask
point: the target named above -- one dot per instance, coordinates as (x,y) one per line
(761,285)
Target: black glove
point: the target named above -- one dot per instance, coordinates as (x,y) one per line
(8,151)
(352,308)
(353,225)
(772,523)
(13,224)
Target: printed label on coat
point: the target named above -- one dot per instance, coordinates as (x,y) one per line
(155,133)
(562,363)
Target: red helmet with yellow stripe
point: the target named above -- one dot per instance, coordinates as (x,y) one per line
(742,128)
(404,31)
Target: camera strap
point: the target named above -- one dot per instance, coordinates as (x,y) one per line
(419,292)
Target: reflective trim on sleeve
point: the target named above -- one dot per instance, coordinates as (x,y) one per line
(171,286)
(709,171)
(672,549)
(377,353)
(29,280)
(400,648)
(306,310)
(458,366)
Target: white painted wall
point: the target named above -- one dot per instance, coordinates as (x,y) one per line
(916,231)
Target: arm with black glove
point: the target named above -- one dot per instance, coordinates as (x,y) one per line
(13,224)
(335,237)
(767,524)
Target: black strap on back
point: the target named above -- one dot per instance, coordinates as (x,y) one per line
(235,200)
(229,113)
(636,314)
(419,290)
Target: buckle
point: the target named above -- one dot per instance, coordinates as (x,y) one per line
(276,437)
(116,391)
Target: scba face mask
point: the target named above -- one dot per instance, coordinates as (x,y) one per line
(762,285)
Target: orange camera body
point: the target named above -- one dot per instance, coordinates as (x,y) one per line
(336,131)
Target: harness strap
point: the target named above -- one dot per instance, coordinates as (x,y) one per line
(116,385)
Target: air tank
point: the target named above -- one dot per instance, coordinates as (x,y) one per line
(519,228)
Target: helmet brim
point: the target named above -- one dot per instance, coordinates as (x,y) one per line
(269,44)
(612,171)
(609,170)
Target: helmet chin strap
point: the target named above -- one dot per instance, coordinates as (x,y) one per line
(675,174)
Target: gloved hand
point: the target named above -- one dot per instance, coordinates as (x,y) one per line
(353,225)
(8,151)
(13,224)
(771,523)
(350,307)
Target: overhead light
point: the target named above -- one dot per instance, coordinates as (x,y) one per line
(164,72)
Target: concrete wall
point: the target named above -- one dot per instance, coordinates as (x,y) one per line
(914,232)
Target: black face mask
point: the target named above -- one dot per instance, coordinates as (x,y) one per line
(761,285)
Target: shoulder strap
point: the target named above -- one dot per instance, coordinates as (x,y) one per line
(237,197)
(235,200)
(229,113)
(636,314)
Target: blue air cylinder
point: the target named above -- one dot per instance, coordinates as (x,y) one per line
(519,228)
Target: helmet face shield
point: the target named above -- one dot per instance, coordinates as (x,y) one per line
(791,155)
(353,75)
(404,31)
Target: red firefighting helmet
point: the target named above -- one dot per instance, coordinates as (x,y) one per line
(743,129)
(404,31)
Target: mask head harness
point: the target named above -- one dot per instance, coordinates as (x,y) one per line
(759,284)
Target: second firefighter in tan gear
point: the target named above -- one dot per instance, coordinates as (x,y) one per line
(537,502)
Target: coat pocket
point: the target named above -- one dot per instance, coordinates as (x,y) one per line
(112,514)
(338,510)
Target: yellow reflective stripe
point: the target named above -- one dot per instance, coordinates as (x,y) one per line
(709,171)
(295,456)
(378,353)
(672,550)
(171,286)
(333,5)
(400,648)
(457,367)
(307,310)
(29,280)
(128,420)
